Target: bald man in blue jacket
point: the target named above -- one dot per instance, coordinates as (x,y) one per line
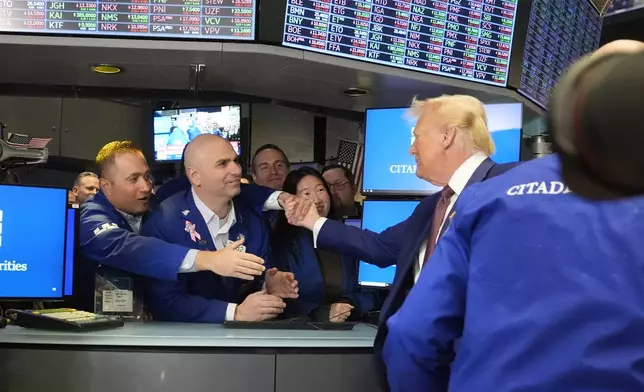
(210,216)
(543,289)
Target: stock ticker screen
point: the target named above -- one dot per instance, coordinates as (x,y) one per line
(206,19)
(465,39)
(559,32)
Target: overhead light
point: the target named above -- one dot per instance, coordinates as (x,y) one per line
(355,92)
(106,69)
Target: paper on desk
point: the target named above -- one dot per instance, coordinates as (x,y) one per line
(118,301)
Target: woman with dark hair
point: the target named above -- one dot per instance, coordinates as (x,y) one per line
(328,282)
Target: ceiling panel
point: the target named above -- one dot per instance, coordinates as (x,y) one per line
(252,69)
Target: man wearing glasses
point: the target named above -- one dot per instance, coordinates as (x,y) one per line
(343,190)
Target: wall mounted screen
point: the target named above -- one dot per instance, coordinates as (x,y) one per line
(174,128)
(389,169)
(559,32)
(207,19)
(465,39)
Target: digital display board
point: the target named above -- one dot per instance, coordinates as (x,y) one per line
(206,19)
(624,5)
(559,32)
(465,39)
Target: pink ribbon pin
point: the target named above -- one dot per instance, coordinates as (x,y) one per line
(190,228)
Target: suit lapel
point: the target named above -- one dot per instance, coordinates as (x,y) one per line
(404,278)
(190,215)
(236,232)
(422,237)
(240,229)
(448,221)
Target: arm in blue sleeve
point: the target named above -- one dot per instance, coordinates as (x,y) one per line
(254,196)
(104,242)
(381,249)
(418,349)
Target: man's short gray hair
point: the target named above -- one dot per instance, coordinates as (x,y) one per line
(80,177)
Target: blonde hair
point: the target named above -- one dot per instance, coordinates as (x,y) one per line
(463,112)
(107,154)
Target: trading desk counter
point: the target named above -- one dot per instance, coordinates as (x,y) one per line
(186,358)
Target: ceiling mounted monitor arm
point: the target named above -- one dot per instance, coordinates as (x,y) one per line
(197,78)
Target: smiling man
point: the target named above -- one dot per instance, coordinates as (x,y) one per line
(210,216)
(111,222)
(270,166)
(85,186)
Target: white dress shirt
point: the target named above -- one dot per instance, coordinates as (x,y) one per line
(133,220)
(458,182)
(219,229)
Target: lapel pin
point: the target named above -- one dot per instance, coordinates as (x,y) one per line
(185,212)
(191,229)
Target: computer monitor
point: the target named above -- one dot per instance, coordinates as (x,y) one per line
(377,216)
(389,169)
(32,242)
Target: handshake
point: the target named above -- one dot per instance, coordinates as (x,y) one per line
(230,262)
(300,212)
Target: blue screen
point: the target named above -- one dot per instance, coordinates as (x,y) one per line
(32,241)
(70,244)
(378,215)
(390,169)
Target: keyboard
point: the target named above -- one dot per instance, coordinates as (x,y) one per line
(64,319)
(296,324)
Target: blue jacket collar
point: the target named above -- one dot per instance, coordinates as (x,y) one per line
(102,200)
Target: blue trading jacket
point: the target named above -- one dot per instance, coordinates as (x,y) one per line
(544,290)
(201,296)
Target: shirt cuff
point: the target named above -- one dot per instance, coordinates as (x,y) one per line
(230,312)
(273,203)
(317,226)
(188,264)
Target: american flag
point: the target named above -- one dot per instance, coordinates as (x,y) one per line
(24,141)
(351,155)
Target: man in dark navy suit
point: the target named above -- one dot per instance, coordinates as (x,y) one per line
(452,146)
(210,216)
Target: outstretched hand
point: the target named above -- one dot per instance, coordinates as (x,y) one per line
(281,284)
(230,262)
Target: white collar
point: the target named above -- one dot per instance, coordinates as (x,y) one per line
(209,214)
(464,172)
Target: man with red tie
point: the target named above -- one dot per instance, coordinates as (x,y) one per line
(452,145)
